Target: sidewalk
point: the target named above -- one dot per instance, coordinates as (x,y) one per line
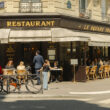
(67,89)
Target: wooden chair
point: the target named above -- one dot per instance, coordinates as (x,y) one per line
(21,75)
(106,71)
(100,71)
(93,72)
(8,72)
(87,72)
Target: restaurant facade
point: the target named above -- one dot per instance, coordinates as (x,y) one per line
(58,37)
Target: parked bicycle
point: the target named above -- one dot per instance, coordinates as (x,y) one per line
(20,84)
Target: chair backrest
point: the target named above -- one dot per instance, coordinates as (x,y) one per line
(8,72)
(106,67)
(93,70)
(101,68)
(87,69)
(21,72)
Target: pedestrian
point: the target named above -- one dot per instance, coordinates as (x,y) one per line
(38,61)
(45,69)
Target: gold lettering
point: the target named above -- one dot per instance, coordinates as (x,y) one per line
(48,23)
(43,23)
(9,23)
(18,23)
(23,23)
(28,23)
(107,30)
(13,23)
(86,27)
(32,23)
(52,23)
(37,23)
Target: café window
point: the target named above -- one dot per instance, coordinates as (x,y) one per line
(33,6)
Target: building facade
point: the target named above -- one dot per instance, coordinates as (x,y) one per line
(62,30)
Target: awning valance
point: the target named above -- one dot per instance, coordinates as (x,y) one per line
(55,35)
(29,35)
(4,34)
(64,35)
(93,39)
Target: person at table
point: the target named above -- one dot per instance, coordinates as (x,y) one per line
(9,65)
(21,66)
(55,72)
(21,70)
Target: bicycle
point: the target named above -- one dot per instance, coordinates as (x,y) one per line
(13,84)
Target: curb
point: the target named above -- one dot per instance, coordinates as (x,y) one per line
(36,96)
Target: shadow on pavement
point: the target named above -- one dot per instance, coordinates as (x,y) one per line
(48,105)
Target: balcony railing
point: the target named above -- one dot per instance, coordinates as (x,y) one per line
(85,13)
(26,7)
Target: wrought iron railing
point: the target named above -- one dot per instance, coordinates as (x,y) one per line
(28,7)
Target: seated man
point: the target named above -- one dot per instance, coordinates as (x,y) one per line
(54,72)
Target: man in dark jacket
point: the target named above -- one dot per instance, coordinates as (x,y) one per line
(38,61)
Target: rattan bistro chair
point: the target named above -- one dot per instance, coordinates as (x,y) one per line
(106,71)
(87,72)
(93,72)
(101,71)
(21,75)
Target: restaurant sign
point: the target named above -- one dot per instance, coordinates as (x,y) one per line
(36,23)
(30,23)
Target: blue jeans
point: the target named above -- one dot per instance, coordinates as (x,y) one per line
(45,80)
(38,75)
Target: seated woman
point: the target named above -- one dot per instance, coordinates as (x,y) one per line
(21,71)
(9,65)
(21,66)
(9,68)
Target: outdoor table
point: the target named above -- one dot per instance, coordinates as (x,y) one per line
(56,70)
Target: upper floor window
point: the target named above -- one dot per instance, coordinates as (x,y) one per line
(30,6)
(103,7)
(1,4)
(82,5)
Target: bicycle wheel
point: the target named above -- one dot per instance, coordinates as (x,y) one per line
(32,87)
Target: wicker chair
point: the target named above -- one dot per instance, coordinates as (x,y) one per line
(87,72)
(106,71)
(21,75)
(101,71)
(93,72)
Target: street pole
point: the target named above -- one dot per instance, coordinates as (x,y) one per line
(74,73)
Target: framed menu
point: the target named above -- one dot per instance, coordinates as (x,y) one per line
(51,52)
